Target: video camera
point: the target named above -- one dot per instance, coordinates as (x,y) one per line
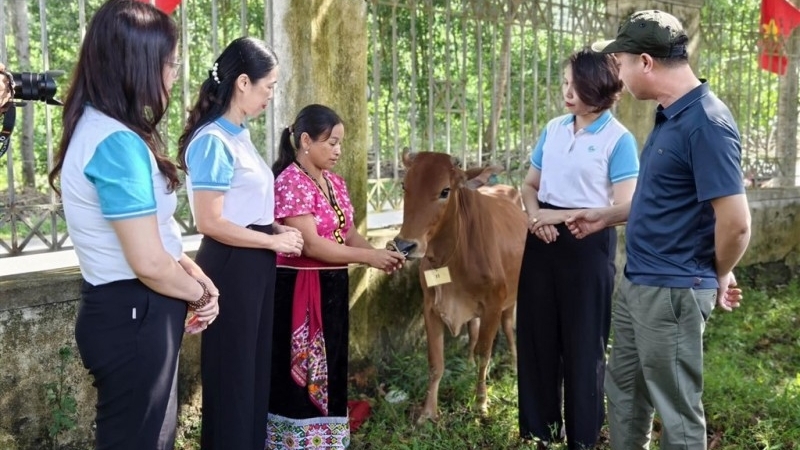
(27,86)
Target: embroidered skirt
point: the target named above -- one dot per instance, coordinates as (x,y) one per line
(294,422)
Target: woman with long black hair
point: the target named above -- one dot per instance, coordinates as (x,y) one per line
(230,190)
(308,406)
(118,190)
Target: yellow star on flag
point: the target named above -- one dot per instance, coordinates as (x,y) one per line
(771,30)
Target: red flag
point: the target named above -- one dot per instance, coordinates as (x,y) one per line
(168,6)
(778,19)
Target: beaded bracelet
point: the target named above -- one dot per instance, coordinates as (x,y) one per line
(203,300)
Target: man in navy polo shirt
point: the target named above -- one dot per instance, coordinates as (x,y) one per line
(688,226)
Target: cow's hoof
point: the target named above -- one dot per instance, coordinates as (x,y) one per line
(482,405)
(482,400)
(426,417)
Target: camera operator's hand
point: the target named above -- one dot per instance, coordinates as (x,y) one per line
(5,90)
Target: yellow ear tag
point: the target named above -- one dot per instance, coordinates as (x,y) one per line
(435,277)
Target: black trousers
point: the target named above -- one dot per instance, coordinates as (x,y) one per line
(236,349)
(563,321)
(129,338)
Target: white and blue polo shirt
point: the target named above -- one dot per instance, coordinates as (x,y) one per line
(579,169)
(110,174)
(221,157)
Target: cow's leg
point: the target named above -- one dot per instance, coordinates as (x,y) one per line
(473,328)
(508,319)
(434,329)
(490,322)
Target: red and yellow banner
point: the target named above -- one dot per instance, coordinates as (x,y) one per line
(778,19)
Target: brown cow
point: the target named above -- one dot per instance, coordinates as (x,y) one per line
(478,241)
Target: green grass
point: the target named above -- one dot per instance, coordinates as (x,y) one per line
(393,425)
(752,388)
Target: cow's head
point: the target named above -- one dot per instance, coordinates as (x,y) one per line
(431,181)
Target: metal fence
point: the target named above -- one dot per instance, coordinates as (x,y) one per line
(474,78)
(480,78)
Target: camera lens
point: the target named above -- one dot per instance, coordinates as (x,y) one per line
(34,86)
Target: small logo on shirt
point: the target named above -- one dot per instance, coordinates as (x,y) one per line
(591,148)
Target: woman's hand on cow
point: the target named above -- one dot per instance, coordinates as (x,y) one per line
(387,260)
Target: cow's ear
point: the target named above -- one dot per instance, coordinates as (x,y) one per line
(408,157)
(483,176)
(473,183)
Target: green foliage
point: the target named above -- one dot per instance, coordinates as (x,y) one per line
(188,434)
(63,31)
(60,398)
(431,76)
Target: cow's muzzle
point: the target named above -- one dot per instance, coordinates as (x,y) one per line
(403,246)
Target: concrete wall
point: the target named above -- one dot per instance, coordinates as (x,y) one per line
(37,314)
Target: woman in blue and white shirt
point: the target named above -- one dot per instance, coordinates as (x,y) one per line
(230,189)
(117,187)
(584,159)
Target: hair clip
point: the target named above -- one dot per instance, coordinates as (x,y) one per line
(214,72)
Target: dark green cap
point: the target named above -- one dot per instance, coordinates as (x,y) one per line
(653,32)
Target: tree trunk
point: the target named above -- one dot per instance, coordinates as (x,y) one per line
(787,116)
(501,81)
(19,25)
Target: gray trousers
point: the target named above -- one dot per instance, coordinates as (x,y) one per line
(656,364)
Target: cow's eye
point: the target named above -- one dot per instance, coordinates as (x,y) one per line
(403,186)
(445,193)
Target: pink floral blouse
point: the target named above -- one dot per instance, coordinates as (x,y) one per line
(296,194)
